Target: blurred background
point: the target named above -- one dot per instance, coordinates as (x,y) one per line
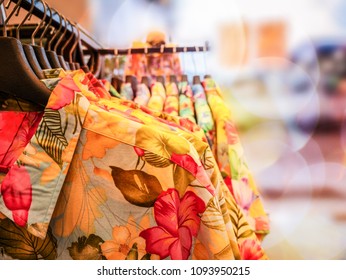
(282,68)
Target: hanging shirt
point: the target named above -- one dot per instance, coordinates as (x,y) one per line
(158,97)
(142,94)
(231,161)
(186,108)
(102,180)
(126,91)
(172,100)
(203,113)
(110,88)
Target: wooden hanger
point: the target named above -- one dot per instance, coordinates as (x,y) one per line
(28,49)
(39,51)
(73,65)
(145,80)
(62,55)
(18,80)
(196,80)
(52,54)
(173,79)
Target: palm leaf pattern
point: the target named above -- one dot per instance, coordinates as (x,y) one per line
(50,135)
(240,225)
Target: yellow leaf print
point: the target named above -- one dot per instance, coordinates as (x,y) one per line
(161,144)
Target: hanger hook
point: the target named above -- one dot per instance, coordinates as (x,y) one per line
(47,26)
(57,33)
(41,23)
(8,4)
(205,49)
(9,16)
(68,40)
(75,43)
(25,19)
(194,60)
(62,36)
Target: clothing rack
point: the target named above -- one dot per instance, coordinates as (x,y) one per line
(93,45)
(151,50)
(86,39)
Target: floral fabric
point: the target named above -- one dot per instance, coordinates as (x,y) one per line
(109,87)
(186,107)
(142,95)
(172,99)
(130,186)
(203,113)
(158,97)
(126,91)
(230,157)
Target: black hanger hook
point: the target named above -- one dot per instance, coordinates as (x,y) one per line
(41,23)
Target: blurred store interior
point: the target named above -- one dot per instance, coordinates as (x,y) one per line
(282,67)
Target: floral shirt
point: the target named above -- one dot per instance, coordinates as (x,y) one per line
(142,94)
(203,113)
(186,107)
(172,99)
(230,157)
(101,180)
(126,91)
(158,97)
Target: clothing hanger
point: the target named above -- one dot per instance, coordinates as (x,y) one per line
(160,79)
(44,33)
(62,60)
(47,26)
(52,54)
(28,49)
(196,79)
(206,76)
(145,80)
(133,81)
(97,67)
(117,78)
(75,49)
(184,78)
(39,51)
(60,56)
(73,66)
(173,79)
(18,80)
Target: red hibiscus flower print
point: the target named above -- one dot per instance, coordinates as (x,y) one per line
(250,250)
(16,191)
(178,222)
